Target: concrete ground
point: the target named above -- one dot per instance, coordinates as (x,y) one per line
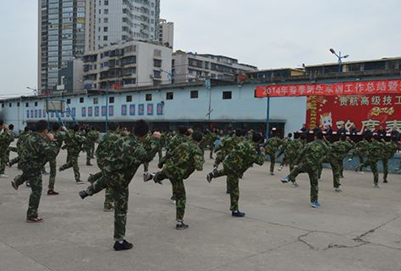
(359,229)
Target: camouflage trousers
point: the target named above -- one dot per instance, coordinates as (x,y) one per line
(160,153)
(145,167)
(335,168)
(272,160)
(53,172)
(373,166)
(312,171)
(361,162)
(108,201)
(118,182)
(72,162)
(3,161)
(211,151)
(35,181)
(232,186)
(178,192)
(14,161)
(385,169)
(90,150)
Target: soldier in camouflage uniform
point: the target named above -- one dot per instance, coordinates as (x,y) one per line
(179,138)
(58,137)
(185,159)
(40,148)
(389,150)
(335,157)
(119,167)
(89,145)
(373,154)
(73,144)
(241,157)
(103,150)
(308,162)
(282,151)
(291,153)
(360,151)
(225,148)
(272,146)
(209,139)
(6,137)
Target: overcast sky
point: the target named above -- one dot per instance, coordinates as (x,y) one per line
(264,33)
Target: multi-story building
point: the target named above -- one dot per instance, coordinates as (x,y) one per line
(130,64)
(61,38)
(119,21)
(166,33)
(190,67)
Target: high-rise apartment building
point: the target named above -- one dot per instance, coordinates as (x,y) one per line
(61,38)
(166,33)
(123,20)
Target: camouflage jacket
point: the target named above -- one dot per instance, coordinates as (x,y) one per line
(127,153)
(59,138)
(374,152)
(312,153)
(6,137)
(185,159)
(227,145)
(273,144)
(20,143)
(37,152)
(242,157)
(91,138)
(105,146)
(73,142)
(174,143)
(340,149)
(293,147)
(389,149)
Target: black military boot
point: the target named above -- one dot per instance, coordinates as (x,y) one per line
(124,245)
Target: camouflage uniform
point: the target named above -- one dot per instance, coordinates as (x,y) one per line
(335,157)
(241,157)
(73,143)
(291,151)
(308,162)
(360,150)
(6,137)
(89,145)
(38,150)
(58,137)
(389,150)
(20,143)
(185,159)
(272,146)
(223,150)
(119,167)
(373,154)
(102,151)
(210,138)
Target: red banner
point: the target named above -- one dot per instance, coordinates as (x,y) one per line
(365,111)
(343,88)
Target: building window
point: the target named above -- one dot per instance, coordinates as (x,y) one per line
(68,101)
(227,95)
(106,2)
(169,95)
(111,100)
(36,103)
(129,98)
(105,38)
(81,100)
(95,100)
(26,104)
(148,97)
(18,104)
(10,104)
(194,94)
(105,29)
(106,11)
(157,63)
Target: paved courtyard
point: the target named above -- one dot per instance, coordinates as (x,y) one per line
(359,229)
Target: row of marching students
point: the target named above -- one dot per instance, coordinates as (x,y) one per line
(120,155)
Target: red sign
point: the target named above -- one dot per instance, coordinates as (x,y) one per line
(343,88)
(365,111)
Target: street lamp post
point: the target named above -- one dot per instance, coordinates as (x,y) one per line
(340,58)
